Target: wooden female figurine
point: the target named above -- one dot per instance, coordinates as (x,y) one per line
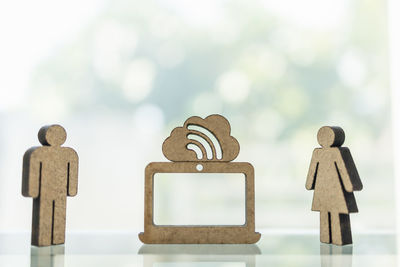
(334,177)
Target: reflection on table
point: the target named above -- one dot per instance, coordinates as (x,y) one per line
(211,255)
(332,255)
(52,256)
(123,249)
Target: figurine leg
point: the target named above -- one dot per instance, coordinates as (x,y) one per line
(325,227)
(59,221)
(42,222)
(341,229)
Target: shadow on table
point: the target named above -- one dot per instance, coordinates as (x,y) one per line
(332,255)
(52,256)
(216,254)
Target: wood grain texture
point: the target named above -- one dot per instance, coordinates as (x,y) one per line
(49,175)
(175,147)
(333,176)
(196,234)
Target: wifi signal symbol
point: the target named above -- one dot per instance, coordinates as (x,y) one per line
(203,143)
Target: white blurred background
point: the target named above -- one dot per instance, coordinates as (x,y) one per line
(120,75)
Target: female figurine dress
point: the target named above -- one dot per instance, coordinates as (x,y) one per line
(333,177)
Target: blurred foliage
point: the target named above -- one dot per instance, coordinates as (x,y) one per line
(275,78)
(291,70)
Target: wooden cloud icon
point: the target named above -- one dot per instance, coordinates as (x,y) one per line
(210,137)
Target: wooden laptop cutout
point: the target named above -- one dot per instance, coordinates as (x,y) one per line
(177,148)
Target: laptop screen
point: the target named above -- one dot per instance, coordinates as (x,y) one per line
(199,199)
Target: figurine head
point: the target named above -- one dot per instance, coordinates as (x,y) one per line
(331,136)
(52,135)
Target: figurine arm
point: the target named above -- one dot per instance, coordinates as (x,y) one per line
(348,171)
(312,171)
(73,175)
(31,174)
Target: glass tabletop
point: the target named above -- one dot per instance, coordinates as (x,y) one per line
(124,249)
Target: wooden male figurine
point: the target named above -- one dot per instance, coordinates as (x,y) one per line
(333,177)
(49,175)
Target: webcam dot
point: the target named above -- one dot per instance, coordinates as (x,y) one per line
(199,167)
